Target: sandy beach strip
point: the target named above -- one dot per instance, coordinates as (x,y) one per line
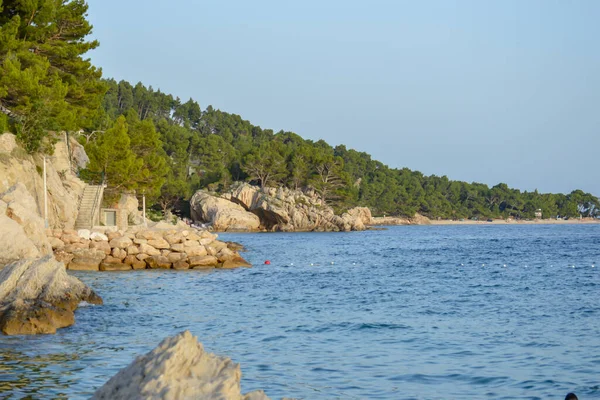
(571,221)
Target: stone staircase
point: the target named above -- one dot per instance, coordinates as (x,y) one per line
(89,207)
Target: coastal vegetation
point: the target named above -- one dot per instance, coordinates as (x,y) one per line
(141,139)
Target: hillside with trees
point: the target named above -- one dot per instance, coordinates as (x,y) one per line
(151,142)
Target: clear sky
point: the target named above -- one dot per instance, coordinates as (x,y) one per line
(485,91)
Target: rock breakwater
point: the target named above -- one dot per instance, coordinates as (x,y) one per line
(138,248)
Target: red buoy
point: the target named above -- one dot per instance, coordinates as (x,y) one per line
(268,262)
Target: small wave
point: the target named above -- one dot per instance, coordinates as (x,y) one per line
(433,379)
(321,369)
(273,338)
(349,327)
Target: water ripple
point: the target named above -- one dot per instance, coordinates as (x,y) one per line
(408,313)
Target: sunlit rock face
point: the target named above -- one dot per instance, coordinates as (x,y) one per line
(38,296)
(178,368)
(249,208)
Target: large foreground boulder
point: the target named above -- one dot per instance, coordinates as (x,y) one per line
(178,368)
(38,296)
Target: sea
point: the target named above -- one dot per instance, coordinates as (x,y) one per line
(410,312)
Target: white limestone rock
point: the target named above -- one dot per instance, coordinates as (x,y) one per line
(38,296)
(222,214)
(15,243)
(98,236)
(178,368)
(84,234)
(278,209)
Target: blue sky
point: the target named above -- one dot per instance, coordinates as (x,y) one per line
(484,91)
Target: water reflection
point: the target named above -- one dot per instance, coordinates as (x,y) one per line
(25,376)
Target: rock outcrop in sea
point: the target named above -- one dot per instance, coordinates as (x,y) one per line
(250,208)
(38,296)
(178,368)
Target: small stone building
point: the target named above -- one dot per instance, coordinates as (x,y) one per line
(122,213)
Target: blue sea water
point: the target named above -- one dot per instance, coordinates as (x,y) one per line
(416,312)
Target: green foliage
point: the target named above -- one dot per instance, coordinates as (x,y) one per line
(154,215)
(173,191)
(329,178)
(145,140)
(212,148)
(145,143)
(212,156)
(112,156)
(45,84)
(265,164)
(3,123)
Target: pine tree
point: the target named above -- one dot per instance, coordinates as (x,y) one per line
(111,155)
(147,147)
(265,164)
(45,83)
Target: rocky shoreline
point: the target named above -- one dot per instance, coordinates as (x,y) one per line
(38,296)
(247,208)
(139,248)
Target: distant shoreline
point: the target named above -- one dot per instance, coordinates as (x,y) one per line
(394,221)
(573,221)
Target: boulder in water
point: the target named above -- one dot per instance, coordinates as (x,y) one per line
(178,368)
(38,296)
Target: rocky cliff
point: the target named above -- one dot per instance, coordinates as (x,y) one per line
(36,293)
(64,187)
(21,227)
(22,224)
(250,208)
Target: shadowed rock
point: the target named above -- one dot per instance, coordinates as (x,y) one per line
(38,296)
(178,368)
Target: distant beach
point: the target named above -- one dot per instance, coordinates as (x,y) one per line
(571,221)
